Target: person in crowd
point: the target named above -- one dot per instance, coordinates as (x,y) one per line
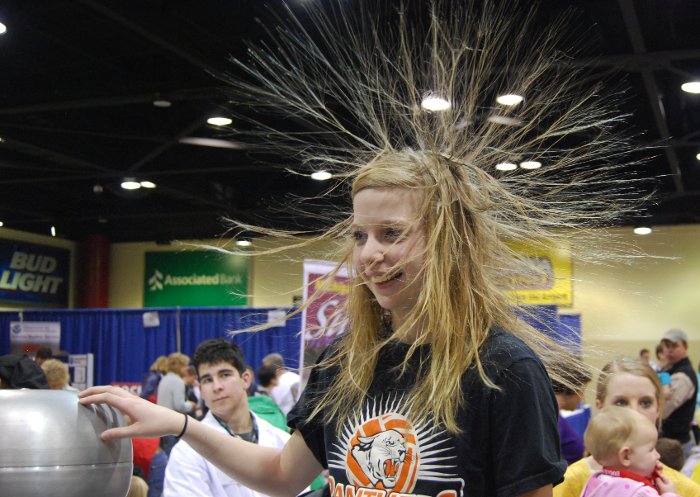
(171,392)
(138,487)
(671,453)
(679,408)
(192,392)
(149,387)
(57,375)
(660,357)
(156,471)
(43,353)
(285,392)
(646,359)
(267,376)
(568,399)
(19,371)
(625,382)
(262,405)
(623,441)
(439,387)
(224,381)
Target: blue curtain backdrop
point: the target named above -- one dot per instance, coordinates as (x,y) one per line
(124,349)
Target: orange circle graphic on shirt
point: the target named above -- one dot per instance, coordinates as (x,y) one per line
(383,454)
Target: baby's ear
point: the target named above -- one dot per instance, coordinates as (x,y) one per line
(624,456)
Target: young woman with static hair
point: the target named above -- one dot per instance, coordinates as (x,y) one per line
(427,371)
(439,385)
(625,382)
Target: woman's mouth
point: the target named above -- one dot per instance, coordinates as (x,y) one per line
(382,280)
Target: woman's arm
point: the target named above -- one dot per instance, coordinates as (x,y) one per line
(272,471)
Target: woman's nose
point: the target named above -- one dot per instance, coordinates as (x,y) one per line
(372,252)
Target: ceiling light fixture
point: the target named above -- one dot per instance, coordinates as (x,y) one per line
(219,121)
(130,184)
(506,166)
(162,103)
(691,87)
(321,175)
(510,99)
(642,230)
(2,224)
(3,29)
(53,230)
(244,243)
(697,156)
(147,184)
(530,164)
(434,103)
(211,142)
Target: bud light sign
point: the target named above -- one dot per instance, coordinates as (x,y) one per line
(33,274)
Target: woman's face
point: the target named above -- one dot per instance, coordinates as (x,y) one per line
(389,247)
(636,392)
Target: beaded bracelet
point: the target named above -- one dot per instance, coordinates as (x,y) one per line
(184,428)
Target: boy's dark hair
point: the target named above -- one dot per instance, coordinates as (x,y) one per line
(266,374)
(671,452)
(216,350)
(44,352)
(577,378)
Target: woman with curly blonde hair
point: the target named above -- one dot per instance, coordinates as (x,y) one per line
(57,375)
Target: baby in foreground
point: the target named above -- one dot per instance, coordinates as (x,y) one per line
(624,443)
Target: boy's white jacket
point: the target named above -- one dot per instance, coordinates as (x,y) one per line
(188,474)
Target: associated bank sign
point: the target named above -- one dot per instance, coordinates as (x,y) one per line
(33,274)
(196,278)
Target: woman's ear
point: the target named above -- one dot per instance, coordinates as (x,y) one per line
(624,456)
(598,404)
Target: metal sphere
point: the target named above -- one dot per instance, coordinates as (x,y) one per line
(51,446)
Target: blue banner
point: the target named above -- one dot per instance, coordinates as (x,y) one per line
(32,274)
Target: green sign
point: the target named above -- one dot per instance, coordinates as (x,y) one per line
(197,278)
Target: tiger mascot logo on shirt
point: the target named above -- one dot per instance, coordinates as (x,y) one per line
(383,454)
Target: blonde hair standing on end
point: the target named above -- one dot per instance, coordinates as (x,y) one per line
(612,429)
(357,76)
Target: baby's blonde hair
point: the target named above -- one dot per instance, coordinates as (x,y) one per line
(612,429)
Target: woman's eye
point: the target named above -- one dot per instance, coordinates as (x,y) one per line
(646,404)
(621,403)
(358,236)
(393,233)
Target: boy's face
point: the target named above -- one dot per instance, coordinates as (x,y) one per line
(643,458)
(223,388)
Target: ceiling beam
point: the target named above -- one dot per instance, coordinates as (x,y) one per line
(652,90)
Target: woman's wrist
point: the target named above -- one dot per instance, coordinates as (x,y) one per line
(184,428)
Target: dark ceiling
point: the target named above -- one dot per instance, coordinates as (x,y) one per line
(77,114)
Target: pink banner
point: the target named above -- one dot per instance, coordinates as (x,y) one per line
(322,321)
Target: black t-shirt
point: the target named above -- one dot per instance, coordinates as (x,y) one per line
(509,442)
